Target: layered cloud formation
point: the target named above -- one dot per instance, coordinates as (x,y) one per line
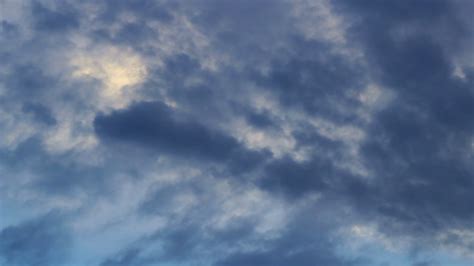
(249,133)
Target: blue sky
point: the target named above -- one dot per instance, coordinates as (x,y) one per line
(237,133)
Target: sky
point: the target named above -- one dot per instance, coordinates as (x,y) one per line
(236,133)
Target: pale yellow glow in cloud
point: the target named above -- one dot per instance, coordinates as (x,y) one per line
(119,71)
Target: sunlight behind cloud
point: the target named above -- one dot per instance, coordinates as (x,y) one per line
(118,70)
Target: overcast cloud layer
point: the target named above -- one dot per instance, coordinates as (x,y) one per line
(237,133)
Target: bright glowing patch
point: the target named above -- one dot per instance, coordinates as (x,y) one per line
(118,70)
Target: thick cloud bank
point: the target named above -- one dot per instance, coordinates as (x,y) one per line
(249,133)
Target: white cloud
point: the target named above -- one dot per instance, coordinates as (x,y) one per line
(119,70)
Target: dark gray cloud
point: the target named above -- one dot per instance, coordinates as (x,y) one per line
(40,113)
(41,241)
(157,127)
(152,125)
(419,145)
(53,175)
(314,79)
(49,20)
(110,11)
(28,79)
(295,178)
(259,133)
(312,249)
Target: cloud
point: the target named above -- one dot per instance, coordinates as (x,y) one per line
(295,247)
(41,241)
(419,144)
(119,71)
(236,132)
(51,20)
(239,242)
(155,126)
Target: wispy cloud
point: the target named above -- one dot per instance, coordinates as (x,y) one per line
(236,132)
